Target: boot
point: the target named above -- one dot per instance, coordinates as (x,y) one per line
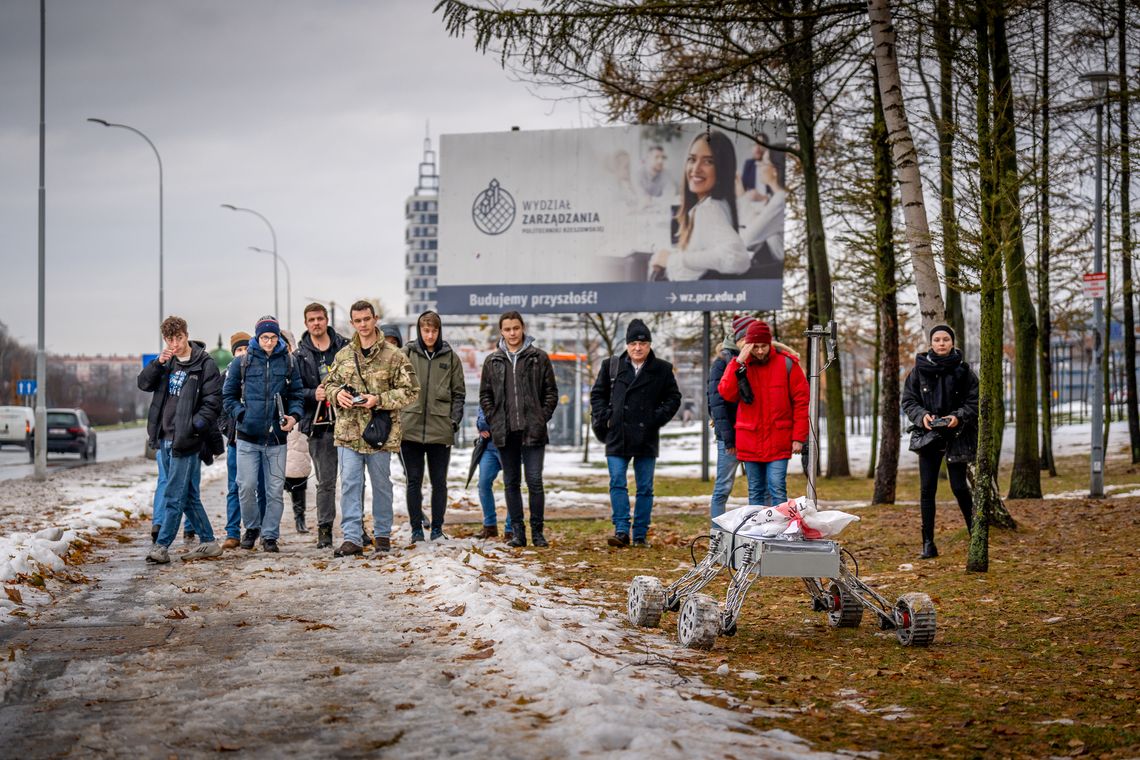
(298,495)
(489,531)
(929,550)
(365,539)
(324,536)
(518,536)
(536,538)
(250,538)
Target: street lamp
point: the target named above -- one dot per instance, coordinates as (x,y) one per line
(273,234)
(288,282)
(1099,81)
(105,123)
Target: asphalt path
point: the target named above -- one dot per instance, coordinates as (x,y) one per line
(113,445)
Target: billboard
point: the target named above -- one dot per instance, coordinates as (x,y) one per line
(637,218)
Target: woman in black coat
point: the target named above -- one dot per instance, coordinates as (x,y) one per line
(940,398)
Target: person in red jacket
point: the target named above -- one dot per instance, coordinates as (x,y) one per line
(771,393)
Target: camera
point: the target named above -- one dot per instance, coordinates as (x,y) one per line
(939,422)
(357,399)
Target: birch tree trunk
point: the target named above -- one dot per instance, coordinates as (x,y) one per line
(905,157)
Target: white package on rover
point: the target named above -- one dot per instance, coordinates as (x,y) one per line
(796,519)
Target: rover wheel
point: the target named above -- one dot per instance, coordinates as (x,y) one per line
(699,622)
(645,600)
(915,615)
(846,609)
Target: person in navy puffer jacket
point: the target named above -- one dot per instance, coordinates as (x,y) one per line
(265,397)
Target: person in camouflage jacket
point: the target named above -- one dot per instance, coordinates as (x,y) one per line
(381,377)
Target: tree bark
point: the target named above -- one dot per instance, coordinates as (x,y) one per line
(946,124)
(1044,299)
(990,416)
(887,350)
(1025,480)
(930,304)
(820,306)
(1126,237)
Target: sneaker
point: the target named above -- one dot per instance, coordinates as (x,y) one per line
(159,555)
(205,550)
(417,535)
(188,536)
(619,540)
(383,546)
(489,531)
(348,549)
(250,538)
(437,534)
(269,545)
(538,540)
(640,543)
(231,543)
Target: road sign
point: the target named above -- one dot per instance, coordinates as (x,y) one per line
(1095,283)
(25,387)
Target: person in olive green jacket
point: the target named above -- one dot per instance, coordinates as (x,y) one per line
(431,421)
(369,373)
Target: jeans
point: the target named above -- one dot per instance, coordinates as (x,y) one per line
(183,477)
(619,494)
(159,492)
(438,456)
(489,468)
(515,458)
(352,466)
(725,477)
(233,503)
(322,450)
(256,461)
(929,463)
(767,482)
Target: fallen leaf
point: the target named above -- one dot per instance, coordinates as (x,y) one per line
(176,614)
(405,706)
(482,654)
(520,605)
(14,594)
(457,610)
(319,626)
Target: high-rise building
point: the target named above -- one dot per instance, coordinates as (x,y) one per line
(421,235)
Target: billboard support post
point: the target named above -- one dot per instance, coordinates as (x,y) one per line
(706,349)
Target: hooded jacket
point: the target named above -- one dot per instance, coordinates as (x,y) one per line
(942,388)
(522,385)
(199,402)
(309,363)
(253,403)
(437,412)
(631,408)
(386,373)
(777,416)
(721,412)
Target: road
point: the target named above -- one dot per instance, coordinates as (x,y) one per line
(113,445)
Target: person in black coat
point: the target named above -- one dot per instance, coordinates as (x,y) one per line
(632,399)
(723,416)
(183,416)
(940,397)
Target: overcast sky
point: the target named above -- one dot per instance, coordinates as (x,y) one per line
(312,113)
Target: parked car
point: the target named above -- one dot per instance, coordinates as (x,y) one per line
(17,425)
(70,432)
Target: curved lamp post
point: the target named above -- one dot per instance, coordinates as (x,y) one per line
(288,282)
(273,234)
(161,279)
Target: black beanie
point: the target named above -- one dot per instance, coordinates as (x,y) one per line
(637,331)
(943,328)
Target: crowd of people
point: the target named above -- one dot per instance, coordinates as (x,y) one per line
(337,409)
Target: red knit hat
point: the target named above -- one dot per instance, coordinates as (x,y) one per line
(740,325)
(758,332)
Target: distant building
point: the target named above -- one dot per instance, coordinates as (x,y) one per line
(421,212)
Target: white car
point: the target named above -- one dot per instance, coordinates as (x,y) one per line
(17,426)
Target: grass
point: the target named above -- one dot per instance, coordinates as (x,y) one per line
(1036,658)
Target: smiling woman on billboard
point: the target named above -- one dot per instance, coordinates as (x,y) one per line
(708,239)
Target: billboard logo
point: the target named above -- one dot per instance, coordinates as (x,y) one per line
(494,209)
